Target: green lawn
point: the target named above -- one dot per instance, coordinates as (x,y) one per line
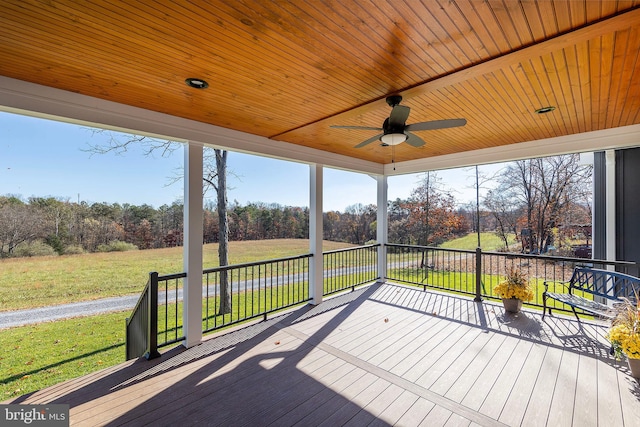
(43,281)
(37,356)
(41,355)
(488,241)
(49,353)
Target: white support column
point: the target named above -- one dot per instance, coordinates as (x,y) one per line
(610,171)
(192,250)
(316,268)
(382,232)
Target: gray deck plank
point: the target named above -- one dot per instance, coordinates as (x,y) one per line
(411,353)
(586,399)
(416,413)
(455,371)
(497,397)
(396,409)
(336,380)
(339,407)
(521,392)
(609,406)
(377,406)
(437,416)
(402,343)
(477,392)
(546,390)
(630,399)
(563,404)
(442,356)
(440,359)
(416,364)
(360,405)
(473,370)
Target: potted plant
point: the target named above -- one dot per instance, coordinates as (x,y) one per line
(513,290)
(624,334)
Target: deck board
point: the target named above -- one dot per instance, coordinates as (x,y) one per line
(564,396)
(384,355)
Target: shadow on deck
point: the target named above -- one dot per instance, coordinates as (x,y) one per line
(384,355)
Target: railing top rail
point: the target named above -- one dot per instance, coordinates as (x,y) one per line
(521,255)
(373,245)
(172,276)
(255,263)
(566,259)
(430,248)
(141,298)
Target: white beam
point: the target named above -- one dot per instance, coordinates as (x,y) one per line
(616,138)
(192,250)
(22,97)
(26,98)
(382,226)
(316,267)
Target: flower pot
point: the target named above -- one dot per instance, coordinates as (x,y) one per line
(512,305)
(634,366)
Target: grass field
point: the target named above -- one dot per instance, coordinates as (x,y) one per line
(41,355)
(43,281)
(488,241)
(48,353)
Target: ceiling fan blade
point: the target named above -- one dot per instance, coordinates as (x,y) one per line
(399,116)
(414,140)
(369,141)
(437,124)
(355,127)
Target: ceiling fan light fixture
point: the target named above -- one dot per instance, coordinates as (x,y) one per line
(196,83)
(393,138)
(545,110)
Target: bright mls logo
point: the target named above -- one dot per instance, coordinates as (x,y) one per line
(34,415)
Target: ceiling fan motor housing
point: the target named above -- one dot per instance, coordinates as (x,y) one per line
(388,128)
(394,100)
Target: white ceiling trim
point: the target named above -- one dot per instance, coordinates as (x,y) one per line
(22,97)
(608,139)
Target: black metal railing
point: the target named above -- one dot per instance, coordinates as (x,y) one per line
(257,289)
(237,293)
(155,321)
(139,337)
(169,309)
(253,290)
(348,268)
(478,272)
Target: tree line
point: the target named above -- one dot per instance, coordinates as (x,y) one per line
(542,201)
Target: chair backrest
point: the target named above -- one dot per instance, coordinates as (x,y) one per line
(605,283)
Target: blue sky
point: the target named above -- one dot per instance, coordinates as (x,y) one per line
(44,158)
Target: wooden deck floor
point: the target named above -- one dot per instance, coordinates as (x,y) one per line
(385,355)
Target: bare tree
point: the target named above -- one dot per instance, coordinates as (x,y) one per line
(505,213)
(544,188)
(214,176)
(220,185)
(18,223)
(358,223)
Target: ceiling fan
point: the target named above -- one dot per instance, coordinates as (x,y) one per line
(395,130)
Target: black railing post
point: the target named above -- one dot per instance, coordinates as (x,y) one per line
(478,275)
(152,318)
(126,339)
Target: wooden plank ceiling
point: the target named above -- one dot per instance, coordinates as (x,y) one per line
(287,70)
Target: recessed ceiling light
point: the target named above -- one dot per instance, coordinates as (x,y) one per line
(545,110)
(196,83)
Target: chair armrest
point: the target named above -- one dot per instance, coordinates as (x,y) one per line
(563,283)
